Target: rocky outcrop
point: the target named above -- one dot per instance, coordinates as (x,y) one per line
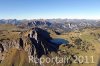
(35,42)
(1,48)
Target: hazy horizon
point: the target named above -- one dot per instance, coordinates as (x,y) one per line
(47,18)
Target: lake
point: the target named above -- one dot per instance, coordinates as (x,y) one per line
(59,41)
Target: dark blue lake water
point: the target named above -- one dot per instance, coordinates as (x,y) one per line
(59,41)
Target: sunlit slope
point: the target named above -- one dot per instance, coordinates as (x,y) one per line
(89,36)
(15,57)
(7,27)
(82,43)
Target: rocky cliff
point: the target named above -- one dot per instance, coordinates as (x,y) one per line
(35,42)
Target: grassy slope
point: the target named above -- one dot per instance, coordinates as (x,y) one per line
(16,57)
(86,36)
(6,31)
(19,57)
(7,27)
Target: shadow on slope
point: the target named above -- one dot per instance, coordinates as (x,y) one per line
(44,45)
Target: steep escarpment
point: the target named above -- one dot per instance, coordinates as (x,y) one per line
(39,44)
(34,42)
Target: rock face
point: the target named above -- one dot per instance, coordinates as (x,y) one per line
(1,48)
(35,42)
(7,44)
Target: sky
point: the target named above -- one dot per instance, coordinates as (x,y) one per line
(48,9)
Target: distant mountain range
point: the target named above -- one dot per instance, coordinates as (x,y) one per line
(57,24)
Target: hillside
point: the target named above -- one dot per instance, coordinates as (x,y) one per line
(19,48)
